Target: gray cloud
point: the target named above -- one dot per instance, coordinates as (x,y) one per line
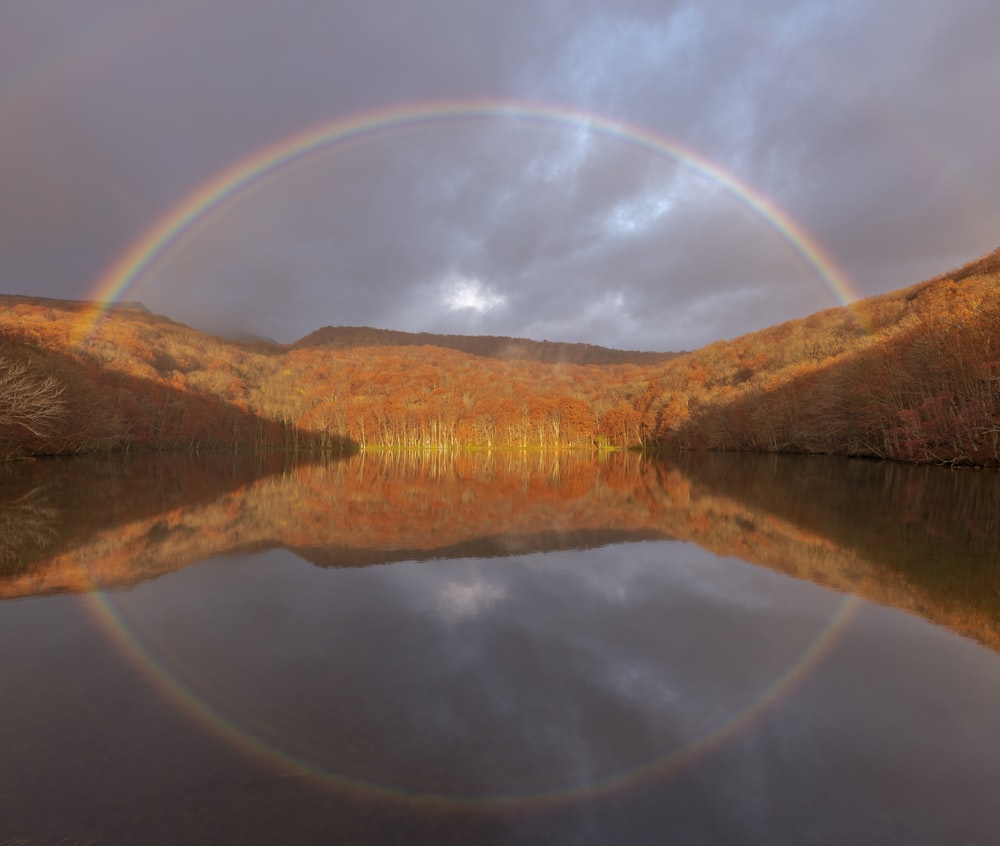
(873,130)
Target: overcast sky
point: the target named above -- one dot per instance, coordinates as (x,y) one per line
(872,125)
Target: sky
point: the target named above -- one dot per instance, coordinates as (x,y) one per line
(640,174)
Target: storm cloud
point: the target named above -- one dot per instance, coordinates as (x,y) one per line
(870,128)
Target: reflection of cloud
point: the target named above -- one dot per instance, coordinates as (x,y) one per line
(641,683)
(460,601)
(558,690)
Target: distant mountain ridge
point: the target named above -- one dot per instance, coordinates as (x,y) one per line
(487,346)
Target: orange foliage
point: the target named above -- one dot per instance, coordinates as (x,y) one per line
(888,532)
(913,375)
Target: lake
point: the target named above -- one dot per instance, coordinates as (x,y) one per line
(514,648)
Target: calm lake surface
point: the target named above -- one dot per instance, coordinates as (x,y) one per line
(507,648)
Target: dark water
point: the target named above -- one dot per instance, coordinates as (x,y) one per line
(498,649)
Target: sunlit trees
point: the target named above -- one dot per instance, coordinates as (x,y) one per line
(913,375)
(621,425)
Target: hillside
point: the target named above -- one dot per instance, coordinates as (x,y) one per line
(912,375)
(156,383)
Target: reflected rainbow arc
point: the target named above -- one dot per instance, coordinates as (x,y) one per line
(656,768)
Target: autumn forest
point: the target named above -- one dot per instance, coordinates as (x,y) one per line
(913,375)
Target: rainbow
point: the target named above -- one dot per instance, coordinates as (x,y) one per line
(124,275)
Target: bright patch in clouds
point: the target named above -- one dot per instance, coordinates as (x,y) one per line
(636,216)
(463,293)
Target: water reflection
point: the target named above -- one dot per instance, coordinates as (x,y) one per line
(563,650)
(537,680)
(924,539)
(919,538)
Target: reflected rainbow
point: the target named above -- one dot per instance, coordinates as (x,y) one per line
(227,185)
(657,768)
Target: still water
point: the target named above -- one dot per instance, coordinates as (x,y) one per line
(498,649)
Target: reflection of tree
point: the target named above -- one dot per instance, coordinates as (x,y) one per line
(919,538)
(372,508)
(923,539)
(27,528)
(75,514)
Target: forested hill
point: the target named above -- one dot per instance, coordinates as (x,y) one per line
(910,375)
(913,374)
(486,346)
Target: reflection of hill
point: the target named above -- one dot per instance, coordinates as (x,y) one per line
(922,539)
(339,513)
(496,546)
(70,523)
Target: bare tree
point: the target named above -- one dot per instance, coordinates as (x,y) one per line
(31,405)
